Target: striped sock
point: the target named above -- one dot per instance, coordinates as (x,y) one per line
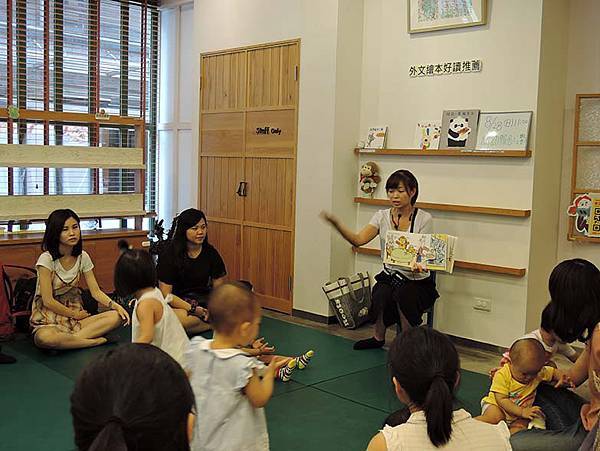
(285,372)
(304,359)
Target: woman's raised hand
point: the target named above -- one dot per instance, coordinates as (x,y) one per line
(328,217)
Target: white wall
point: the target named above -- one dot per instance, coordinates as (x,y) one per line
(355,56)
(583,69)
(222,24)
(177,159)
(509,46)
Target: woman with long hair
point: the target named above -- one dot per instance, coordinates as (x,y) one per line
(189,268)
(58,318)
(425,370)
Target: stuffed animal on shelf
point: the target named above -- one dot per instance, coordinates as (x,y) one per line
(369,178)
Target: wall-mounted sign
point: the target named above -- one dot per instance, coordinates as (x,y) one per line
(268,130)
(447,68)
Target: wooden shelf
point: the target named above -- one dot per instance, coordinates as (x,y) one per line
(448,153)
(61,116)
(472,266)
(452,207)
(9,239)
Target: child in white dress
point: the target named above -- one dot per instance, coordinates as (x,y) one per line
(231,388)
(152,321)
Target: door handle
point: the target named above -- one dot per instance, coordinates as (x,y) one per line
(242,189)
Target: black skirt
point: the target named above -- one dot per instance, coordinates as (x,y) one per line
(394,293)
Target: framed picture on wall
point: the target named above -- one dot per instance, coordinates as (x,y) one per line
(429,15)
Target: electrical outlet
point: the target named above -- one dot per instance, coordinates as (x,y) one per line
(483,305)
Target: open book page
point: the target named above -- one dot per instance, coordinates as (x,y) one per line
(434,252)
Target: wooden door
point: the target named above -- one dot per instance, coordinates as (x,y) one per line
(249,134)
(222,120)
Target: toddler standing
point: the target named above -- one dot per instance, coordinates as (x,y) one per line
(231,387)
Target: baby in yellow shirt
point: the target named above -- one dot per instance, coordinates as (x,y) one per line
(513,388)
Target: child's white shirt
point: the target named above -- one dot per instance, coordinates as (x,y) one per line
(169,334)
(557,348)
(227,421)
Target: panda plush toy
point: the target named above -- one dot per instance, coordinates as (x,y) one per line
(458,131)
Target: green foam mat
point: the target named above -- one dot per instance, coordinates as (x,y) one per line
(310,419)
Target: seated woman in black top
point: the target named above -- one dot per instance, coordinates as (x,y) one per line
(189,268)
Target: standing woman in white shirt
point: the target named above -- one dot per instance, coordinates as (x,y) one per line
(425,371)
(399,296)
(57,318)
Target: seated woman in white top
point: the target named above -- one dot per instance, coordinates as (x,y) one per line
(399,296)
(152,321)
(425,371)
(58,318)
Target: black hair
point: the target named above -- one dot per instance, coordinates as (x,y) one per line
(134,270)
(574,287)
(177,234)
(547,315)
(425,363)
(54,226)
(406,179)
(133,397)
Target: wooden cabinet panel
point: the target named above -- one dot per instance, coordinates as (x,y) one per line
(267,261)
(255,144)
(220,179)
(227,239)
(102,250)
(224,81)
(222,133)
(270,191)
(22,255)
(271,133)
(272,76)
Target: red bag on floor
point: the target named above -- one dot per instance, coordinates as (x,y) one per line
(18,287)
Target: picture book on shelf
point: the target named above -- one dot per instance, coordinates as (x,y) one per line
(376,138)
(459,129)
(427,135)
(434,252)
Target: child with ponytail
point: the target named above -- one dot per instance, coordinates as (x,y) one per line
(425,371)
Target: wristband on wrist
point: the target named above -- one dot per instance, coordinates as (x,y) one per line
(192,309)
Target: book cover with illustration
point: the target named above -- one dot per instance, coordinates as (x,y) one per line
(459,129)
(376,138)
(434,252)
(427,135)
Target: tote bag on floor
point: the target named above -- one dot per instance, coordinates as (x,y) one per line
(350,299)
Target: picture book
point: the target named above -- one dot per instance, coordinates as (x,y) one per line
(433,252)
(459,129)
(427,135)
(376,138)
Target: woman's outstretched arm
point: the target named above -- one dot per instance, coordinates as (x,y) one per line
(356,239)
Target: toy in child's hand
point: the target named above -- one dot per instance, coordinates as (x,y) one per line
(369,177)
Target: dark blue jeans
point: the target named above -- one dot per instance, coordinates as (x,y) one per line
(564,431)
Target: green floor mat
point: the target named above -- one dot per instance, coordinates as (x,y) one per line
(337,403)
(373,388)
(310,419)
(334,356)
(35,407)
(67,363)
